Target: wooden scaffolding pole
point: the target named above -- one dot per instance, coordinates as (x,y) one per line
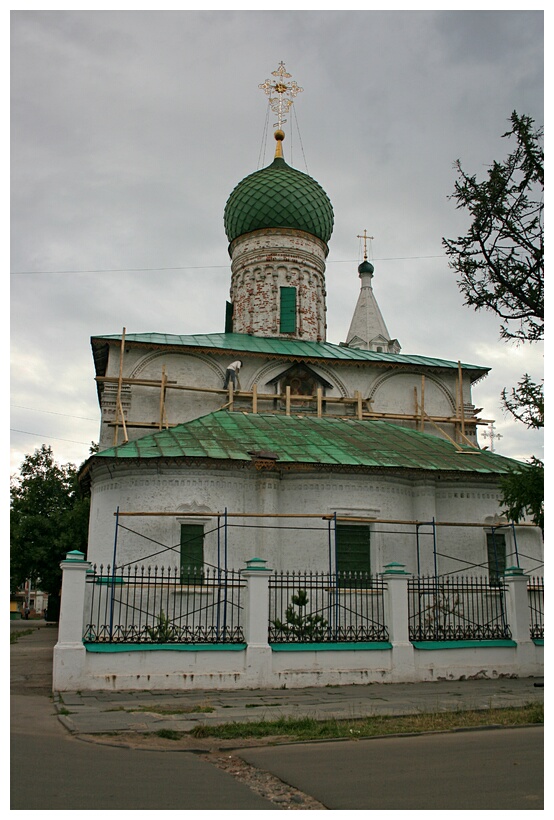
(359,408)
(419,416)
(419,411)
(461,389)
(118,404)
(163,416)
(321,516)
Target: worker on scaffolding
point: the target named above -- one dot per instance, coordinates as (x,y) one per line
(232,375)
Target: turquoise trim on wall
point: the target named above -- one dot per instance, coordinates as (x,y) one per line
(462,644)
(172,647)
(538,641)
(362,646)
(330,647)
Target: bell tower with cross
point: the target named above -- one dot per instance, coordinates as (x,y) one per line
(278,222)
(368,330)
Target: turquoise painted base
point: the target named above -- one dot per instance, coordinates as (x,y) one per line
(172,647)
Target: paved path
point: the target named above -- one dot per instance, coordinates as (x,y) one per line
(97,712)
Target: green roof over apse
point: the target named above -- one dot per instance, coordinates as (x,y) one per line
(234,436)
(291,349)
(278,197)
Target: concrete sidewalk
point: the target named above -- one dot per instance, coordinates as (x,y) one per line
(102,712)
(89,713)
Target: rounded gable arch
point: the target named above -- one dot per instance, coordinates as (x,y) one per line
(142,367)
(397,389)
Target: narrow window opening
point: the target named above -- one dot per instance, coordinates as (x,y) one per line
(496,556)
(192,553)
(287,322)
(353,553)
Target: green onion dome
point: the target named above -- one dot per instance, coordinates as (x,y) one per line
(278,197)
(366,267)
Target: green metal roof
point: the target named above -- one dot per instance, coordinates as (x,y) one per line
(234,436)
(288,348)
(278,197)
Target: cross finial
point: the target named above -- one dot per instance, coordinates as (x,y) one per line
(491,435)
(285,91)
(365,237)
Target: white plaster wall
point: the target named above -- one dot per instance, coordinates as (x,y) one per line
(142,403)
(391,391)
(163,490)
(397,390)
(186,670)
(477,662)
(295,543)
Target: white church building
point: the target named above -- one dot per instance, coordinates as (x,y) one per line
(321,458)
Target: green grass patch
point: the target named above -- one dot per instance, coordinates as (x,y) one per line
(311,729)
(169,734)
(260,705)
(19,633)
(166,710)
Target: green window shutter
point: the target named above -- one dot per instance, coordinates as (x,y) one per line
(496,556)
(288,310)
(192,551)
(353,554)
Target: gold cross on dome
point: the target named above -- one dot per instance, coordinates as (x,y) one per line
(285,91)
(365,237)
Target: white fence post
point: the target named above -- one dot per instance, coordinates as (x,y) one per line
(396,613)
(517,604)
(258,650)
(69,652)
(519,620)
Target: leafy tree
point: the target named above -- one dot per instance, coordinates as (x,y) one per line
(523,493)
(49,517)
(500,263)
(526,402)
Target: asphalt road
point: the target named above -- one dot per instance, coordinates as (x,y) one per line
(50,769)
(55,771)
(489,769)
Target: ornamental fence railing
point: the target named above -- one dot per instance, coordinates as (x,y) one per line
(158,605)
(535,590)
(308,607)
(457,608)
(153,605)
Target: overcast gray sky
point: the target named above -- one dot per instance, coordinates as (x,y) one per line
(130,129)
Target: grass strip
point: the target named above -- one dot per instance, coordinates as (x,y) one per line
(167,710)
(312,729)
(20,633)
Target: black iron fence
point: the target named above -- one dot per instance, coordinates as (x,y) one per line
(157,605)
(164,605)
(326,607)
(535,589)
(456,608)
